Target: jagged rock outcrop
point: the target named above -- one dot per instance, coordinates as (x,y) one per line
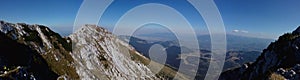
(290,74)
(283,53)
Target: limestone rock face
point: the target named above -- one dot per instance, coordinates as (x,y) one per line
(100,55)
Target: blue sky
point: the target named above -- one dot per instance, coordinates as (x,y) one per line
(57,14)
(265,18)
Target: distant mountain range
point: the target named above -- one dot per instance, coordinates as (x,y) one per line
(238,43)
(234,42)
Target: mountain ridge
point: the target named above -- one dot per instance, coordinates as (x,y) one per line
(99,55)
(234,42)
(50,45)
(283,53)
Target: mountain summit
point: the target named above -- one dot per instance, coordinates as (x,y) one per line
(99,55)
(279,60)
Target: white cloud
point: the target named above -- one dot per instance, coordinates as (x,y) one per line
(236,31)
(252,34)
(240,31)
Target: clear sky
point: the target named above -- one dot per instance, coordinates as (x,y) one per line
(266,18)
(57,14)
